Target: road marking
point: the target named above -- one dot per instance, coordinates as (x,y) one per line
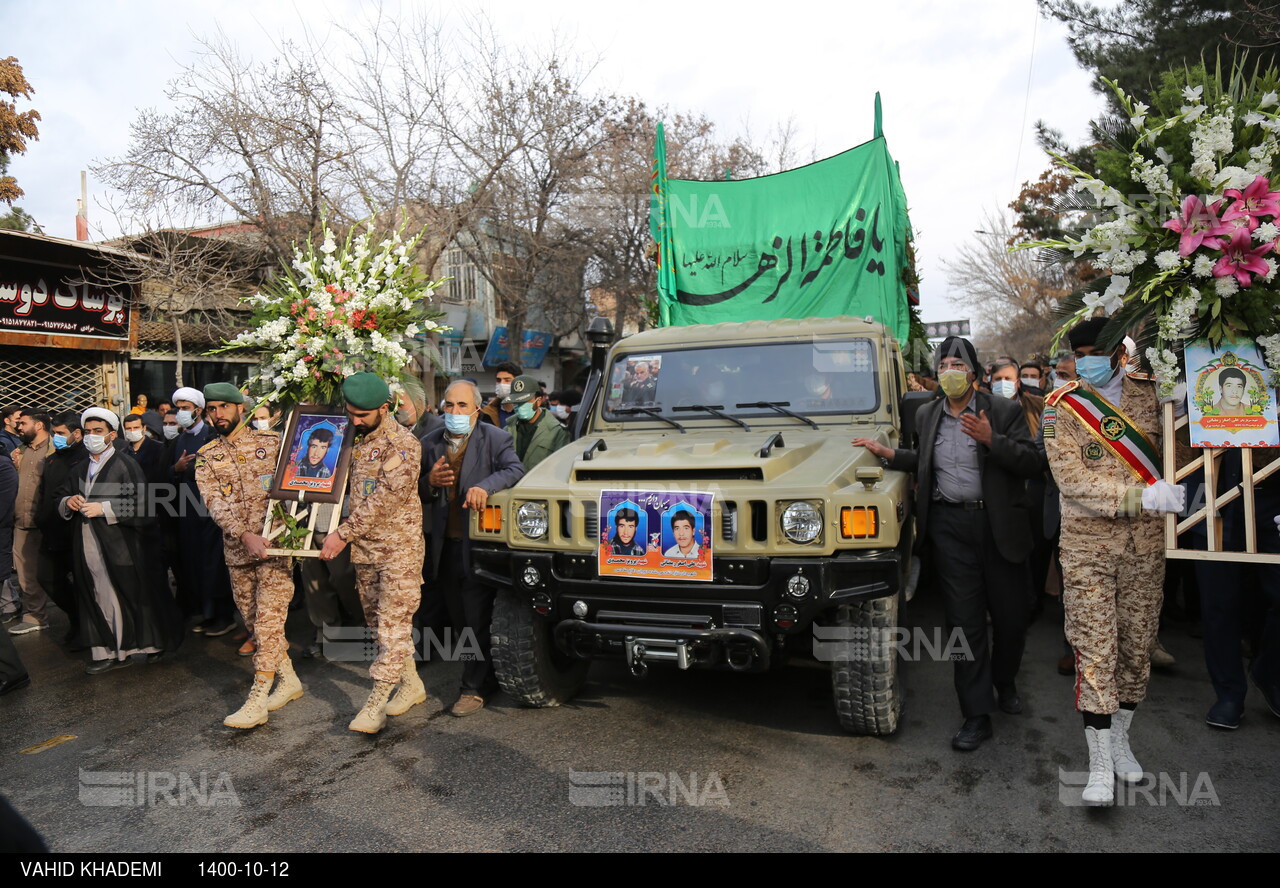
(48,744)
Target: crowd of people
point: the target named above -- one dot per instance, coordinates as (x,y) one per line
(1039,481)
(1036,482)
(147,529)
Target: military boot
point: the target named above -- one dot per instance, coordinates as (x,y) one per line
(287,689)
(1100,790)
(254,710)
(1126,766)
(371,719)
(410,692)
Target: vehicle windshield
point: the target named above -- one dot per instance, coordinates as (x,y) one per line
(806,378)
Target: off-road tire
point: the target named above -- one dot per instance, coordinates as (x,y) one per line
(866,674)
(525,659)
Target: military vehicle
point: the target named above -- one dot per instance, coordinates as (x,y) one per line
(714,514)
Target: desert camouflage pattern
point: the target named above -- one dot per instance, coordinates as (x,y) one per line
(389,597)
(385,524)
(1112,564)
(234,475)
(262,592)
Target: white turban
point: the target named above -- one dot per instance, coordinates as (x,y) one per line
(99,413)
(195,396)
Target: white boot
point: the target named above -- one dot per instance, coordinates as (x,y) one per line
(254,710)
(1126,766)
(287,688)
(373,717)
(410,692)
(1101,787)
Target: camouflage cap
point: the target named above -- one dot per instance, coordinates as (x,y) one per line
(365,391)
(523,388)
(223,391)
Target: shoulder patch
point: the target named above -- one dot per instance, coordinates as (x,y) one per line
(392,464)
(212,445)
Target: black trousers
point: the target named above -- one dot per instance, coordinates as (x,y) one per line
(469,605)
(53,569)
(976,580)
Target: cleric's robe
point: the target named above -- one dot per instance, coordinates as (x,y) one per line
(124,606)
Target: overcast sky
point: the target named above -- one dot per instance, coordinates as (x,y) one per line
(962,84)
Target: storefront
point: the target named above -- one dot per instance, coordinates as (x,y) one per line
(66,330)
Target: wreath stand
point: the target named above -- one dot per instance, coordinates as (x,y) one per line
(320,519)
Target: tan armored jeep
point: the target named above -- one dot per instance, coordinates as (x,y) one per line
(801,536)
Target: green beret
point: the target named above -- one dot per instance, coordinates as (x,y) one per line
(223,391)
(523,388)
(365,391)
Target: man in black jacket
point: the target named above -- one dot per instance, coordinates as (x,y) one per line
(54,566)
(974,455)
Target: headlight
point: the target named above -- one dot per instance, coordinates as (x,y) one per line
(531,518)
(801,522)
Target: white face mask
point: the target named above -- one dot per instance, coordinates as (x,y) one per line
(560,411)
(95,444)
(502,389)
(186,418)
(1028,382)
(133,436)
(261,424)
(1004,388)
(171,431)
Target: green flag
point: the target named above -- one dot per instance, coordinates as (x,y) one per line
(827,239)
(659,228)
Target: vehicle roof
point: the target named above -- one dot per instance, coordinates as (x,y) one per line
(731,333)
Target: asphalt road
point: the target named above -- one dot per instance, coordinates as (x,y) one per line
(695,761)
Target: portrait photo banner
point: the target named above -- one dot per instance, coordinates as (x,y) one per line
(658,535)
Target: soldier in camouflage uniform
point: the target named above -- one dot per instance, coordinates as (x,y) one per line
(234,473)
(384,530)
(1105,463)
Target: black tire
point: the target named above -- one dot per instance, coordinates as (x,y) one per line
(866,676)
(526,661)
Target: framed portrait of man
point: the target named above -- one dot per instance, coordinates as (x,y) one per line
(1230,403)
(315,455)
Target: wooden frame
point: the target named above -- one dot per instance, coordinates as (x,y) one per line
(321,519)
(1208,460)
(297,478)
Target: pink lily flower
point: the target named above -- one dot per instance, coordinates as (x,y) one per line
(1241,261)
(1199,226)
(1254,202)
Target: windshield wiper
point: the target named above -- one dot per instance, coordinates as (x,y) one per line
(714,410)
(780,407)
(648,411)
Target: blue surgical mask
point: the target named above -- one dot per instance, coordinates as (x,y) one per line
(525,411)
(1004,388)
(458,423)
(60,442)
(1095,369)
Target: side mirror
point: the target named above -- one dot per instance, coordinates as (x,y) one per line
(911,402)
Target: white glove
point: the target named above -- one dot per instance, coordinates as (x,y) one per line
(1164,497)
(1177,396)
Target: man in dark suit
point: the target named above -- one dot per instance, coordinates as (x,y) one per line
(974,455)
(465,462)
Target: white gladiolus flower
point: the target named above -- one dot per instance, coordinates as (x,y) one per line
(1165,156)
(1192,93)
(1268,100)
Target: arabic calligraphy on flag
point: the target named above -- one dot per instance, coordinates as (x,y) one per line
(824,240)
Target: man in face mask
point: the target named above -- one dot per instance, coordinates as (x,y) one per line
(37,444)
(55,534)
(125,608)
(974,455)
(466,461)
(537,434)
(496,412)
(1101,436)
(384,531)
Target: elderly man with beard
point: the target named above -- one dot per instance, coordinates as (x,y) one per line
(234,472)
(123,611)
